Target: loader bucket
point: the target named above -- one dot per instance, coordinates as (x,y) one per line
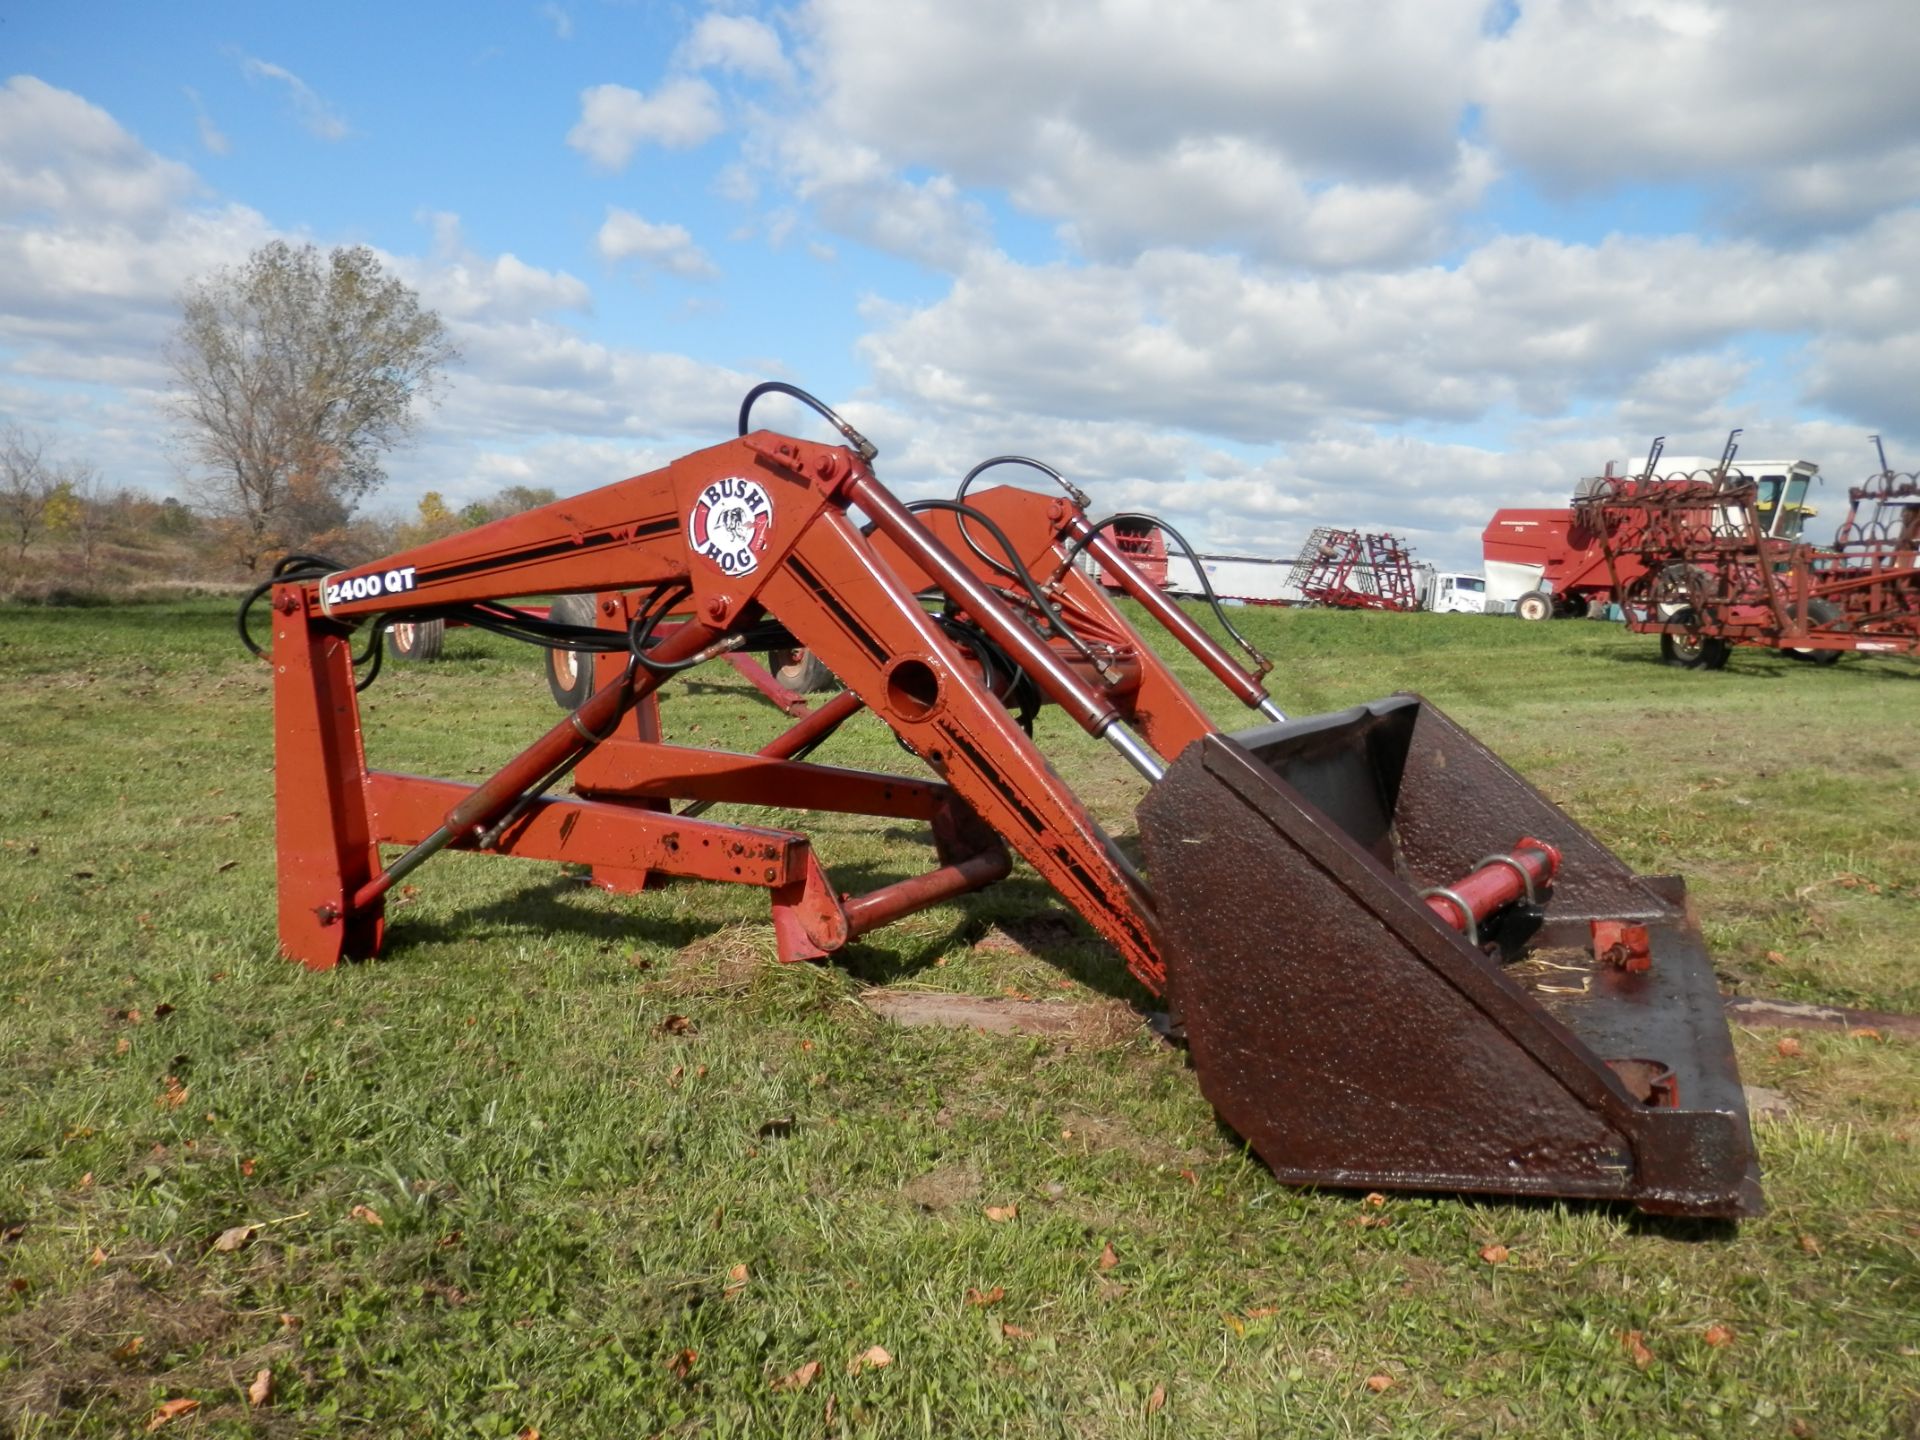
(1353,1038)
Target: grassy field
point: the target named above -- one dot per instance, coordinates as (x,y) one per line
(496,1192)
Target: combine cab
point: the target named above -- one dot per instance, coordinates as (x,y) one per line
(1396,963)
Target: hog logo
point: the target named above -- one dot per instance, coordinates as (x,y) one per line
(729,523)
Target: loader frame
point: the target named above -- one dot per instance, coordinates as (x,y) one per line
(951,623)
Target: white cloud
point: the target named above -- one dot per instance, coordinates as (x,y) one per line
(739,44)
(625,236)
(62,155)
(319,118)
(557,16)
(1770,96)
(212,138)
(614,120)
(464,286)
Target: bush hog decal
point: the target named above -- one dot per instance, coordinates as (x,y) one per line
(729,522)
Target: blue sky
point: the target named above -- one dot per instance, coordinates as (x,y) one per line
(1259,267)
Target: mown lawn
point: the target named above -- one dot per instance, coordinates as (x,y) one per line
(567,1187)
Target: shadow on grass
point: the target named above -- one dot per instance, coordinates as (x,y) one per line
(542,909)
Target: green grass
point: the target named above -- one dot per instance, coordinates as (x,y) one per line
(566,1184)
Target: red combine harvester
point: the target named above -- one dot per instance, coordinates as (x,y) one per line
(1395,963)
(1707,562)
(1355,571)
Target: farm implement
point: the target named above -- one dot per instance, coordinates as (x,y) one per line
(1354,571)
(1703,560)
(1396,965)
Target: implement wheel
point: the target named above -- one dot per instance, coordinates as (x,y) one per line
(1534,605)
(801,671)
(1822,613)
(569,672)
(1693,650)
(416,640)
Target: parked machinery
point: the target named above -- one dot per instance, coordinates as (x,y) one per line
(1705,561)
(1356,571)
(1396,964)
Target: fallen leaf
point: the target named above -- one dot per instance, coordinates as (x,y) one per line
(1190,1177)
(1774,957)
(1634,1343)
(1810,1244)
(674,1079)
(1494,1254)
(246,1168)
(1236,1324)
(122,1045)
(366,1215)
(1788,1047)
(1718,1335)
(677,1025)
(1371,1222)
(172,1093)
(987,1297)
(531,1432)
(162,1010)
(171,1410)
(98,1258)
(1261,1312)
(261,1390)
(1375,1199)
(1014,1332)
(736,1281)
(19,1284)
(1000,1214)
(1108,1257)
(1865,1032)
(1157,1401)
(236,1238)
(130,1349)
(290,1322)
(798,1379)
(681,1365)
(1379,1384)
(874,1357)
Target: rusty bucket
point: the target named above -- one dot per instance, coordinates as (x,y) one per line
(1573,1046)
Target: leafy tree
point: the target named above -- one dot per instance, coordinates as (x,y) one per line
(296,372)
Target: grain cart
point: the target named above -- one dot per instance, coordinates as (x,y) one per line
(1704,561)
(1396,964)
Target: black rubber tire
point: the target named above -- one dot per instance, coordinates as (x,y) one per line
(570,673)
(801,671)
(418,641)
(1692,652)
(1819,612)
(1534,605)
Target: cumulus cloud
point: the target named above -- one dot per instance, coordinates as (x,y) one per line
(315,114)
(1763,99)
(625,236)
(63,155)
(614,120)
(738,44)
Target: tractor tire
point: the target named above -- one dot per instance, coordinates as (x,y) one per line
(416,640)
(1694,651)
(801,671)
(1819,612)
(569,672)
(1534,605)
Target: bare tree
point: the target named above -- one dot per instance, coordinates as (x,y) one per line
(296,373)
(27,487)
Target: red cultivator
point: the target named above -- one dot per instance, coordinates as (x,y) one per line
(1352,571)
(1701,560)
(1397,965)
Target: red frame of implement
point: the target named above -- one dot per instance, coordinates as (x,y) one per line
(851,598)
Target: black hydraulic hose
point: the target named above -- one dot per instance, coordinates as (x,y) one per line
(1073,493)
(866,448)
(1018,572)
(640,632)
(1193,559)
